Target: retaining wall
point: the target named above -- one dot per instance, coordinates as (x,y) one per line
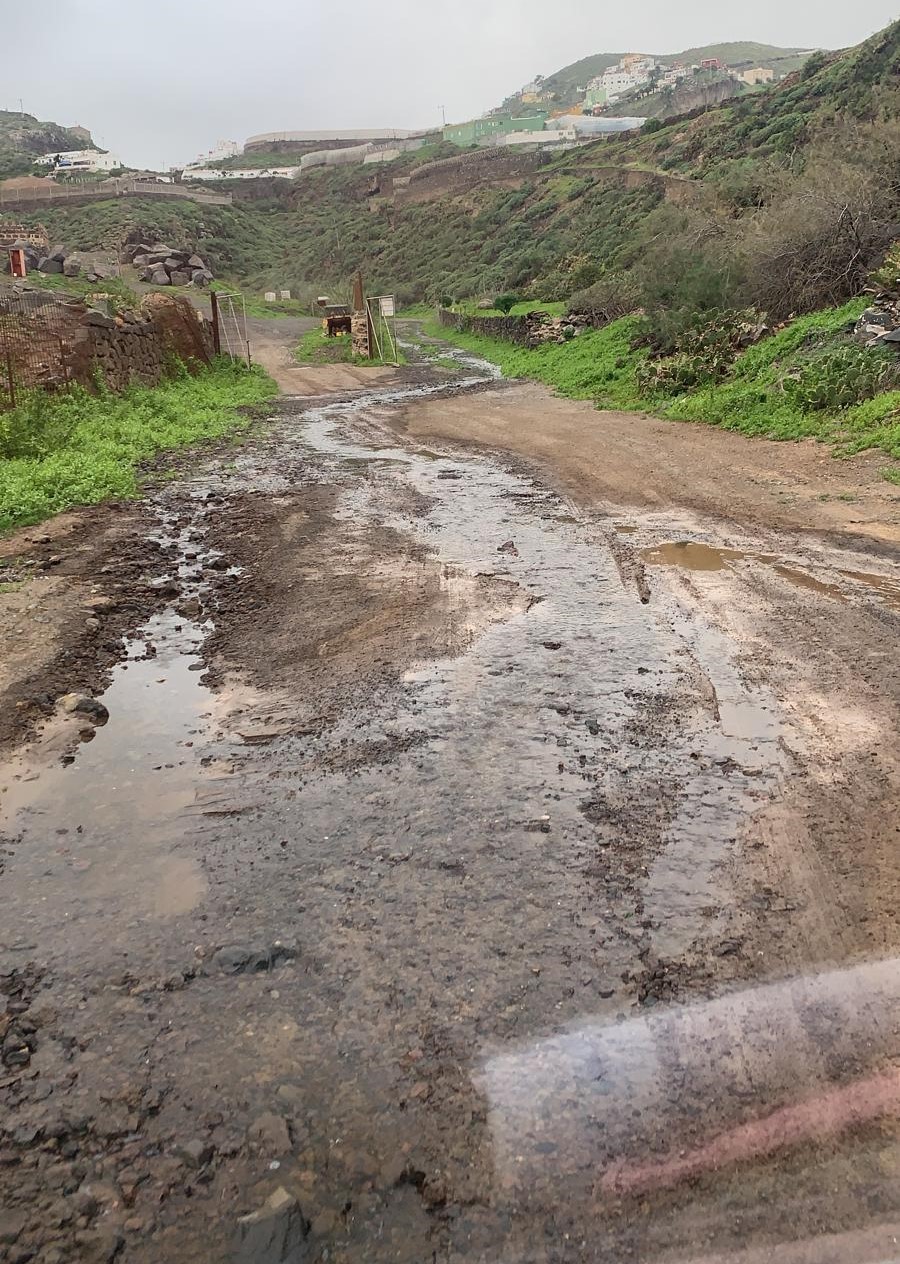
(516,329)
(50,342)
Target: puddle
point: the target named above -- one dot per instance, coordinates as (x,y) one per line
(569,679)
(696,556)
(887,589)
(116,809)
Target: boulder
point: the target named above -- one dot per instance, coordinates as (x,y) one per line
(172,264)
(200,277)
(71,267)
(159,276)
(158,256)
(140,261)
(196,262)
(180,278)
(58,253)
(50,267)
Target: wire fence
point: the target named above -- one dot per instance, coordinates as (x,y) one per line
(37,344)
(230,335)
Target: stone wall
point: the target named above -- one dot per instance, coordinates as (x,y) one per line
(531,330)
(359,334)
(509,328)
(53,341)
(496,167)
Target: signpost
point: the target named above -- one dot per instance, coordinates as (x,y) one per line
(385,328)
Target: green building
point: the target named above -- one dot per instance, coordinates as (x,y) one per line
(595,97)
(478,130)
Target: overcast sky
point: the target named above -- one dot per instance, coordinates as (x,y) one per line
(159,85)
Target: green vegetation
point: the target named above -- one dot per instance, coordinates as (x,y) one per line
(24,138)
(114,287)
(794,384)
(471,308)
(600,365)
(315,348)
(75,448)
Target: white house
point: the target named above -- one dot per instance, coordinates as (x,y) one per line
(80,160)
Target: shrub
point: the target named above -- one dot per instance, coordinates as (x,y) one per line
(842,378)
(613,295)
(505,303)
(704,353)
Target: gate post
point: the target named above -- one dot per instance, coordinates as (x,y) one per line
(217,333)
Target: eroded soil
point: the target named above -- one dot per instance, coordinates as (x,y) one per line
(489,854)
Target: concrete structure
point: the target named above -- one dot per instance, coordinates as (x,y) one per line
(337,136)
(760,74)
(221,150)
(89,160)
(547,138)
(482,131)
(242,173)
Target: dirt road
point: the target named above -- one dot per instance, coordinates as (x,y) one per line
(490,853)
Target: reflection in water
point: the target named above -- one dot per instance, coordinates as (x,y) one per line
(641,1105)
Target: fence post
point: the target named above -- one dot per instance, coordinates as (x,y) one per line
(217,335)
(12,383)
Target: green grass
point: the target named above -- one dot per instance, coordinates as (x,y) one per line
(315,348)
(75,448)
(602,366)
(471,308)
(599,365)
(115,287)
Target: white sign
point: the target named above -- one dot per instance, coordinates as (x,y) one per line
(387,306)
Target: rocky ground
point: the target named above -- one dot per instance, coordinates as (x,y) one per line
(484,847)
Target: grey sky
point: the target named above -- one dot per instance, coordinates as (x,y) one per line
(160,85)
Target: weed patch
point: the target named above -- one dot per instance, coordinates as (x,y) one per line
(74,448)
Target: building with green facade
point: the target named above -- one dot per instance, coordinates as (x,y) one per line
(477,131)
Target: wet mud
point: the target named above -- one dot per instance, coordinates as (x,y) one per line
(471,872)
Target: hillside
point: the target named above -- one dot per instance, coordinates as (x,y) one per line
(24,138)
(741,204)
(860,83)
(567,84)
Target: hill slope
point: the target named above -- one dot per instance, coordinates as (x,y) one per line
(549,230)
(24,138)
(565,83)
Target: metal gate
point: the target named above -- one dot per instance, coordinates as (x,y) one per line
(229,317)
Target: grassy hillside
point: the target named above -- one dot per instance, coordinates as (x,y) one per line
(787,198)
(24,138)
(747,53)
(862,83)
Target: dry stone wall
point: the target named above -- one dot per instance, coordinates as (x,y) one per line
(53,342)
(531,330)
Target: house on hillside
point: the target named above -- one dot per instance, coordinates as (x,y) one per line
(760,74)
(90,160)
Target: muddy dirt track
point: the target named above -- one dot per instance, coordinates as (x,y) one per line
(490,854)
